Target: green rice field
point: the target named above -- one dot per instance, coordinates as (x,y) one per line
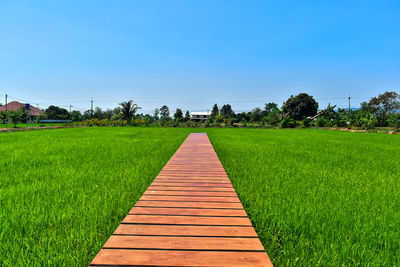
(315,197)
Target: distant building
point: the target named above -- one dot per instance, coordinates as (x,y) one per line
(15,106)
(200,116)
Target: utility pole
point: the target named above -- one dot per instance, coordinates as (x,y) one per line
(91,108)
(28,111)
(70,115)
(349,102)
(6,112)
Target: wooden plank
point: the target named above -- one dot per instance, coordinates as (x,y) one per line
(189,193)
(184,243)
(188,180)
(195,184)
(200,175)
(179,258)
(190,169)
(193,199)
(185,230)
(187,220)
(188,211)
(201,205)
(210,183)
(193,172)
(192,188)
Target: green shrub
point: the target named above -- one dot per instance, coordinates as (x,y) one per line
(369,122)
(288,123)
(394,120)
(321,122)
(306,123)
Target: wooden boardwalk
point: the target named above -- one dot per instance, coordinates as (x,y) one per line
(189,216)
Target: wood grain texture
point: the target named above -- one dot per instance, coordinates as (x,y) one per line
(126,257)
(184,230)
(188,211)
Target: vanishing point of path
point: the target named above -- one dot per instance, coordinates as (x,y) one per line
(189,216)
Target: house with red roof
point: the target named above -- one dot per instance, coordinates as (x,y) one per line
(15,106)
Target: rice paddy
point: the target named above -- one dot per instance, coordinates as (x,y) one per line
(315,197)
(318,197)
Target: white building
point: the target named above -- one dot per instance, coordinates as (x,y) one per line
(200,116)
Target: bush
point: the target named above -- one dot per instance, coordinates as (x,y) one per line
(369,122)
(138,122)
(288,123)
(394,120)
(273,118)
(306,123)
(321,122)
(341,123)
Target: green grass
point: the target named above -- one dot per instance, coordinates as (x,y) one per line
(318,197)
(315,197)
(63,192)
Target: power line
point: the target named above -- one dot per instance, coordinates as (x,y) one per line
(219,100)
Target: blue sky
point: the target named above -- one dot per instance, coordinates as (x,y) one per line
(191,54)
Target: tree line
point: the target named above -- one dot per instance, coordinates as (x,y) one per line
(299,110)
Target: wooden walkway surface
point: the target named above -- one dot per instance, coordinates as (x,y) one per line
(189,216)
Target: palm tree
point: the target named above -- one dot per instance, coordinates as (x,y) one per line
(128,110)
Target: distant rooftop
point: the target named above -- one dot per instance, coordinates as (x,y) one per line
(15,106)
(201,113)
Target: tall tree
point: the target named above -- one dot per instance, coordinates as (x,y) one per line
(256,115)
(164,112)
(128,110)
(76,115)
(329,113)
(178,116)
(215,111)
(108,113)
(98,113)
(187,116)
(56,113)
(383,105)
(227,112)
(269,107)
(16,116)
(87,114)
(300,106)
(242,117)
(156,114)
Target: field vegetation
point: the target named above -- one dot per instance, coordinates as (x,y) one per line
(63,192)
(315,197)
(318,197)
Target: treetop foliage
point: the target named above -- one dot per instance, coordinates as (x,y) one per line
(300,106)
(215,111)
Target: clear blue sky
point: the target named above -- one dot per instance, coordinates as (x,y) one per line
(190,54)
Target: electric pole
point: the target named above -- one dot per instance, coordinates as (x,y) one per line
(70,115)
(91,108)
(349,102)
(6,112)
